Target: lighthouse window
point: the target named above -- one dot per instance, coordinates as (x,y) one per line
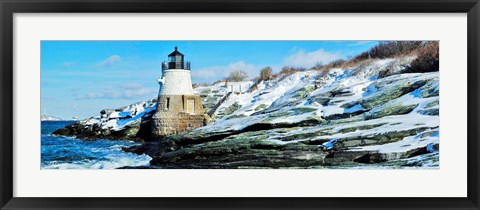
(167,105)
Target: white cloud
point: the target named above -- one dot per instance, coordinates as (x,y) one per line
(124,91)
(109,61)
(308,59)
(209,72)
(214,73)
(251,69)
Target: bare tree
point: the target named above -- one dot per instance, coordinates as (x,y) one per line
(237,76)
(265,73)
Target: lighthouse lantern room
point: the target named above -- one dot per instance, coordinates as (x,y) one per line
(176,61)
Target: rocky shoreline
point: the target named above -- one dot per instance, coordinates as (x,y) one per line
(136,131)
(249,149)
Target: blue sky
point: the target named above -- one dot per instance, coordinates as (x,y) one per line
(79,78)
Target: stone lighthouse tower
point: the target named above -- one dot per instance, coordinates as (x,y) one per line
(178,109)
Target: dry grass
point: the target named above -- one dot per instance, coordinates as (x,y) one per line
(426,52)
(427,58)
(287,70)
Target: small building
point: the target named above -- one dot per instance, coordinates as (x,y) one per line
(178,109)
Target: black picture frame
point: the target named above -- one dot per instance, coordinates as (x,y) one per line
(10,7)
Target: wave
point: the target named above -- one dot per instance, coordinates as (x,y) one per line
(71,153)
(106,163)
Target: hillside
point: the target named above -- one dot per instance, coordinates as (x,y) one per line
(368,115)
(311,119)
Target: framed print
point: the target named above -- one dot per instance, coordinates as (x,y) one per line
(239,105)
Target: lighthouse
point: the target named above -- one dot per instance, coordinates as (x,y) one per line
(178,108)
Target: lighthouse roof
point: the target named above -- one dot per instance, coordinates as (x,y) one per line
(174,53)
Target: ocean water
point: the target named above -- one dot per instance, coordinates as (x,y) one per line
(70,153)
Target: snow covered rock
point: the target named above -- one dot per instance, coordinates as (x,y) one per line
(369,115)
(125,123)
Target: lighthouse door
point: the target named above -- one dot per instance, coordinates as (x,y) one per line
(191,106)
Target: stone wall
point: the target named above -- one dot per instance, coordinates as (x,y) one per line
(172,115)
(175,103)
